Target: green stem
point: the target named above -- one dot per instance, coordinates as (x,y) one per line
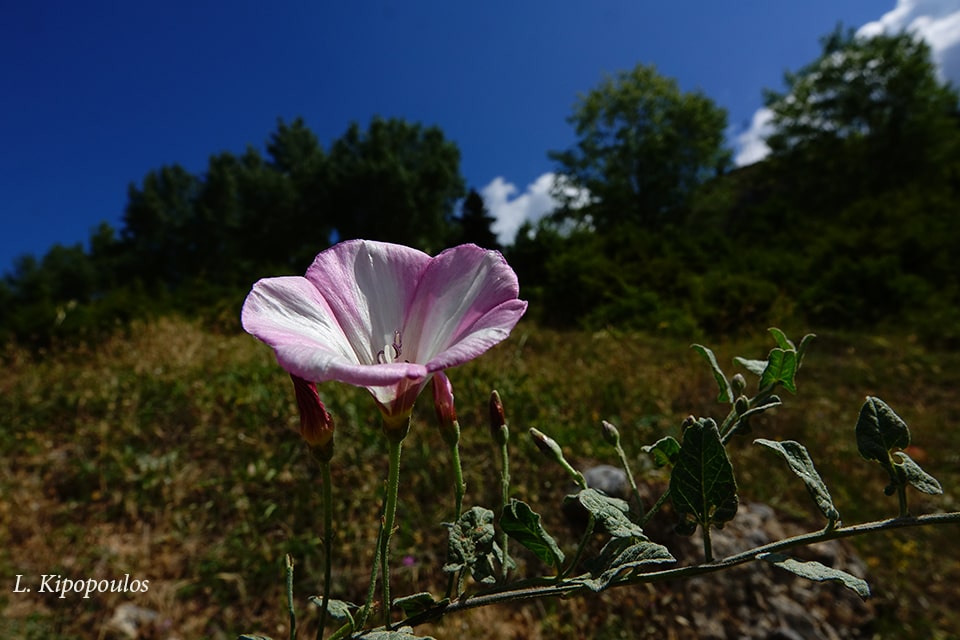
(327,542)
(459,486)
(580,547)
(293,614)
(656,507)
(389,515)
(626,468)
(504,499)
(372,587)
(517,592)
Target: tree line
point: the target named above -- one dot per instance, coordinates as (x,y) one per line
(850,221)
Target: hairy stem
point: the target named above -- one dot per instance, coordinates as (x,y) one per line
(291,611)
(571,586)
(327,541)
(504,499)
(389,515)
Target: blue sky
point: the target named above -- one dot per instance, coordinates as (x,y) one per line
(96,94)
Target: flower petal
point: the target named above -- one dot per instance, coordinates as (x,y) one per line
(290,315)
(367,286)
(466,302)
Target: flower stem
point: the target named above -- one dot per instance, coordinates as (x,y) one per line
(459,486)
(327,542)
(626,468)
(292,612)
(389,515)
(504,499)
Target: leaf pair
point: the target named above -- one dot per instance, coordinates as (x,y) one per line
(879,432)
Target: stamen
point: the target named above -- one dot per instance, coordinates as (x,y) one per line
(394,350)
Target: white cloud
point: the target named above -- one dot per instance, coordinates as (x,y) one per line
(750,144)
(936,21)
(512,210)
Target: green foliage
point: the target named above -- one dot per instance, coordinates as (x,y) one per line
(702,485)
(523,525)
(801,464)
(396,182)
(642,148)
(813,570)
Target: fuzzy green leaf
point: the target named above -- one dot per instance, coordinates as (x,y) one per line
(403,633)
(781,369)
(726,393)
(915,475)
(610,513)
(879,431)
(702,484)
(802,349)
(471,543)
(664,451)
(801,464)
(756,367)
(338,609)
(417,603)
(781,339)
(522,524)
(624,554)
(817,571)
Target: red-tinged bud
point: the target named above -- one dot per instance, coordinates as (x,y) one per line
(316,425)
(498,421)
(446,411)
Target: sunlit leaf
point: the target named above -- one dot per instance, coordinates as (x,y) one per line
(664,451)
(781,369)
(781,339)
(816,571)
(756,367)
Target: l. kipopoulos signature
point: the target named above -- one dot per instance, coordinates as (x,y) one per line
(56,583)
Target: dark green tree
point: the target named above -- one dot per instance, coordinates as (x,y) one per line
(157,224)
(643,147)
(869,111)
(396,182)
(476,223)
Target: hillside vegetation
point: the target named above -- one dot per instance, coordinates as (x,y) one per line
(171,453)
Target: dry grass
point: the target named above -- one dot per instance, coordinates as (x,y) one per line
(170,453)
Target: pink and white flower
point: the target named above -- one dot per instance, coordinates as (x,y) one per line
(385,317)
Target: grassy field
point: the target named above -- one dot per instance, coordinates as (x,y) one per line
(170,453)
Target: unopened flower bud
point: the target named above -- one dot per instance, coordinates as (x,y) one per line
(610,433)
(738,383)
(446,412)
(689,421)
(498,422)
(547,445)
(316,425)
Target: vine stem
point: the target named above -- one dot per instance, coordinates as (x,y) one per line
(325,478)
(572,586)
(290,610)
(389,516)
(504,499)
